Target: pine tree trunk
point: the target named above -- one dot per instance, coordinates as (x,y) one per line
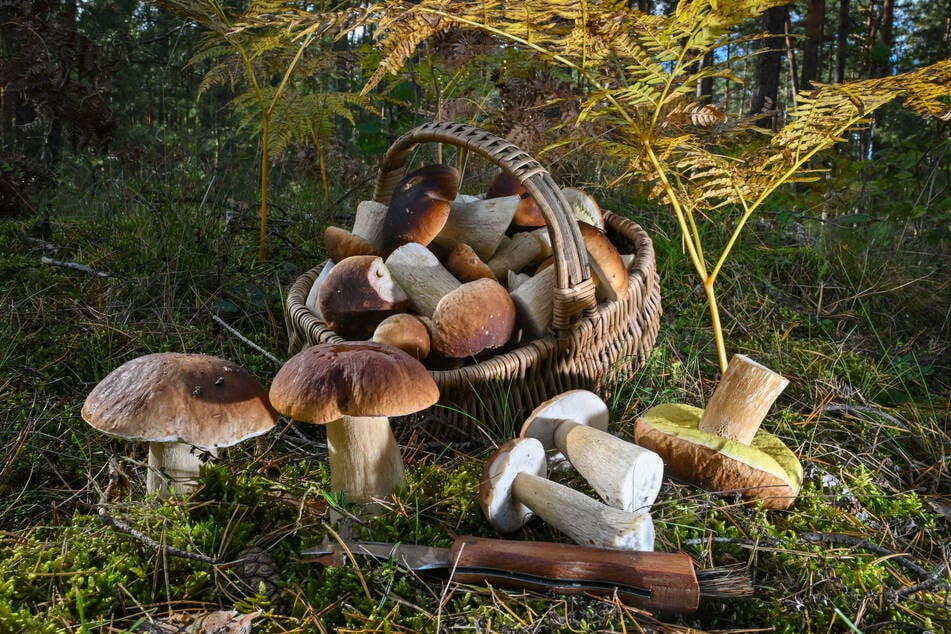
(842,41)
(812,44)
(768,65)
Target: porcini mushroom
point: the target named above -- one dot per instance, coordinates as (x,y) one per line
(419,206)
(357,294)
(573,426)
(527,214)
(177,402)
(407,332)
(476,316)
(607,267)
(353,388)
(514,487)
(761,469)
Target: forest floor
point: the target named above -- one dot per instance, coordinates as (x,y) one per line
(853,313)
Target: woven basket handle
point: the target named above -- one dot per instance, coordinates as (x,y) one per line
(574,288)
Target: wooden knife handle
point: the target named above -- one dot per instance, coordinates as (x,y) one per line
(653,580)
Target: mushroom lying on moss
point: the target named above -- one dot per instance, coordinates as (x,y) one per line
(762,469)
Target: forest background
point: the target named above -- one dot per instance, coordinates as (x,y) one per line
(133,188)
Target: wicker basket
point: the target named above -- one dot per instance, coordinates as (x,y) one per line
(588,344)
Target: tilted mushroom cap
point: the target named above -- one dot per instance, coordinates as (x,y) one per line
(517,455)
(341,244)
(322,383)
(357,294)
(198,399)
(606,264)
(528,213)
(474,317)
(765,470)
(419,206)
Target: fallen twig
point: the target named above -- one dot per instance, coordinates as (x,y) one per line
(151,543)
(221,322)
(73,265)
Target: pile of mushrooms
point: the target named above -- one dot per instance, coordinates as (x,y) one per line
(572,427)
(722,447)
(471,271)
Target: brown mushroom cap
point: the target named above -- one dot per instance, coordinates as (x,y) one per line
(474,317)
(466,265)
(198,399)
(605,262)
(528,213)
(341,244)
(322,383)
(766,470)
(419,206)
(357,294)
(407,332)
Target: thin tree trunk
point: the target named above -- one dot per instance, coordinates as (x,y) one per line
(765,98)
(842,41)
(812,44)
(705,86)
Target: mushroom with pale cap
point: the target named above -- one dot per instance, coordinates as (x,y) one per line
(514,487)
(722,447)
(176,402)
(573,425)
(353,388)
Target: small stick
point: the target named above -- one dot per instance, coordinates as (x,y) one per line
(237,334)
(151,543)
(73,265)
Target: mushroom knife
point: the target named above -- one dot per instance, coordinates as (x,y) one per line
(652,580)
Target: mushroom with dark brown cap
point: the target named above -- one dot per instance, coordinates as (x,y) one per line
(357,294)
(514,487)
(573,425)
(177,402)
(528,214)
(353,388)
(419,206)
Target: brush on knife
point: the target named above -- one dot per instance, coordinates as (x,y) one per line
(652,580)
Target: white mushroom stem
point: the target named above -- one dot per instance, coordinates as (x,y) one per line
(422,276)
(624,475)
(534,302)
(585,520)
(741,400)
(480,223)
(524,248)
(368,223)
(174,467)
(365,461)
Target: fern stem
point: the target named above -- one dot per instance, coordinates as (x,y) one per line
(266,129)
(710,291)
